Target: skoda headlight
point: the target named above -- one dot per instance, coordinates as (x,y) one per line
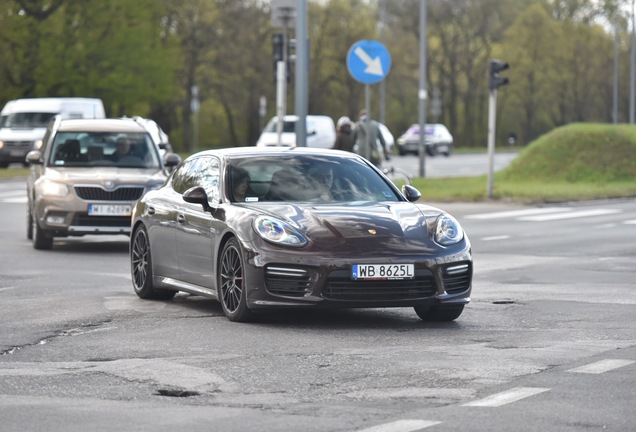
(447,230)
(51,188)
(278,232)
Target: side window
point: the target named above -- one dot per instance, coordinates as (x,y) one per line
(209,174)
(182,177)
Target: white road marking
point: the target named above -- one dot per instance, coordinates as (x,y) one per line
(500,237)
(518,213)
(15,200)
(630,222)
(570,215)
(602,366)
(401,426)
(512,395)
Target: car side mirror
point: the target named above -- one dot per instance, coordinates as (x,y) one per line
(34,157)
(171,160)
(411,193)
(197,195)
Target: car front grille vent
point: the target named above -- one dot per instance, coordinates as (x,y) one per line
(286,281)
(83,219)
(457,278)
(340,286)
(91,193)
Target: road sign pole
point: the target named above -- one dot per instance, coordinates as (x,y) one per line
(367,121)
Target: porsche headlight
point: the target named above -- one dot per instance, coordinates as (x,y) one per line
(278,232)
(51,188)
(447,230)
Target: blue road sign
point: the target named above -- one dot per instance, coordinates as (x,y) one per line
(368,61)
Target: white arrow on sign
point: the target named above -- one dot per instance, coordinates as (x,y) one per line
(374,67)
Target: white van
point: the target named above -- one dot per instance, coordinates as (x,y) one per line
(321,132)
(23,122)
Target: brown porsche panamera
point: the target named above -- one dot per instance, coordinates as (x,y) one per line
(270,228)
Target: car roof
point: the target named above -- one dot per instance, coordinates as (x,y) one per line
(231,152)
(101,125)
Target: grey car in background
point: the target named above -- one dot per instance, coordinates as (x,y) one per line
(88,175)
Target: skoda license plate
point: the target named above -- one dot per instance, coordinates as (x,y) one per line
(109,210)
(382,271)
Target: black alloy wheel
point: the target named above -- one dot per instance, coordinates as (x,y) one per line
(141,268)
(231,283)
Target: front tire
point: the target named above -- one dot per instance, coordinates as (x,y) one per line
(29,226)
(438,314)
(141,268)
(42,240)
(231,283)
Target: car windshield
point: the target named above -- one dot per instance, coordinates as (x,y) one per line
(299,178)
(110,149)
(27,120)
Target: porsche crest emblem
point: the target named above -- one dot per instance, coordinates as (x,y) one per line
(372,232)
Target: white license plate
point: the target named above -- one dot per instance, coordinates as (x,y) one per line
(17,153)
(109,209)
(382,271)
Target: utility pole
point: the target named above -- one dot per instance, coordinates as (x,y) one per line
(422,91)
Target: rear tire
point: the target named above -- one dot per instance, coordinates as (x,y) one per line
(438,314)
(141,268)
(231,283)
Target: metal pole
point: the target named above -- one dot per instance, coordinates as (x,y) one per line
(281,72)
(632,69)
(615,98)
(367,121)
(382,116)
(422,91)
(302,72)
(492,119)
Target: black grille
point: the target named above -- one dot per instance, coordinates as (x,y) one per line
(458,282)
(83,219)
(18,145)
(340,286)
(100,194)
(290,282)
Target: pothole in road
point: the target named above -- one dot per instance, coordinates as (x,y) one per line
(177,393)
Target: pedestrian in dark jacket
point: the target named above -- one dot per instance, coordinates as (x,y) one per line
(344,134)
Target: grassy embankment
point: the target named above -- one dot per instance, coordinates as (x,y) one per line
(571,163)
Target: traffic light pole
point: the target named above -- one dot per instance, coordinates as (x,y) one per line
(492,116)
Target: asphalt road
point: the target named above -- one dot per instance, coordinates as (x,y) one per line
(548,342)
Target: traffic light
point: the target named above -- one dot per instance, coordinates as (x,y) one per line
(496,80)
(278,47)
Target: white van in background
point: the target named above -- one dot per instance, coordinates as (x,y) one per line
(23,122)
(321,132)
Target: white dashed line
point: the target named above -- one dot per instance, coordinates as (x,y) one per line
(503,398)
(630,222)
(401,426)
(602,366)
(518,213)
(570,215)
(501,237)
